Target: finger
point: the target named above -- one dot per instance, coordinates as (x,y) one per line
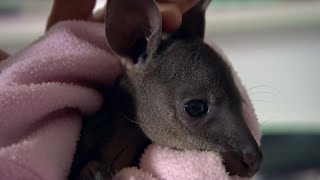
(99,15)
(184,5)
(171,12)
(171,16)
(70,9)
(3,55)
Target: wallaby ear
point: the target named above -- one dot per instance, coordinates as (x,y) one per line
(193,21)
(133,28)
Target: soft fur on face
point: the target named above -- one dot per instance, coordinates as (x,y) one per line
(182,70)
(161,76)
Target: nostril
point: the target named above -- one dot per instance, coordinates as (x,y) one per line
(248,160)
(242,164)
(252,163)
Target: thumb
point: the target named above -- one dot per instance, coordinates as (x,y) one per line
(172,11)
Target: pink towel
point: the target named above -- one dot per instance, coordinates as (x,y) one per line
(46,88)
(161,163)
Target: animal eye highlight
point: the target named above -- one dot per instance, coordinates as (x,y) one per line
(196,107)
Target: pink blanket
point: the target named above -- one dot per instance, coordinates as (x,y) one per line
(46,88)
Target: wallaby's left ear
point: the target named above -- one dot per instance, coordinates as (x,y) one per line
(193,21)
(133,28)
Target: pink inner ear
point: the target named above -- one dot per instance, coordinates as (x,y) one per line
(136,32)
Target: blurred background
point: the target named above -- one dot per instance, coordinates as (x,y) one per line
(275,47)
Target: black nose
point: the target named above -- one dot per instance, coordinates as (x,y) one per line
(252,162)
(244,164)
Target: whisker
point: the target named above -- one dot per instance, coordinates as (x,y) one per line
(260,86)
(142,124)
(256,136)
(267,126)
(117,157)
(261,100)
(264,123)
(262,92)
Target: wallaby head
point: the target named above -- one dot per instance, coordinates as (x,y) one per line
(184,93)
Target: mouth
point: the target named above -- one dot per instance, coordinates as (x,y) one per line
(235,165)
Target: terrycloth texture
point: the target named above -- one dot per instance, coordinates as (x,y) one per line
(164,163)
(43,91)
(46,88)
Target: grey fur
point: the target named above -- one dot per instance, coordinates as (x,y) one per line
(159,77)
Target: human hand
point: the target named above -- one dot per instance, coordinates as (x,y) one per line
(171,11)
(3,55)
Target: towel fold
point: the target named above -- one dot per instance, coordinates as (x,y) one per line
(44,90)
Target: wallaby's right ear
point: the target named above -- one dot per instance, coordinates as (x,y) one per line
(133,28)
(193,21)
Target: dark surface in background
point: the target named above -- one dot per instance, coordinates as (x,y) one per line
(287,155)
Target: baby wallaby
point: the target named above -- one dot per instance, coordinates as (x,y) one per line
(176,91)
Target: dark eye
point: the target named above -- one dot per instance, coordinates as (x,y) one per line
(196,107)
